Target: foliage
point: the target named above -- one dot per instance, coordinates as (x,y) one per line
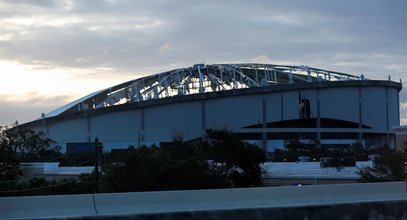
(388,167)
(41,186)
(82,158)
(221,162)
(27,145)
(175,166)
(18,146)
(236,155)
(8,161)
(178,165)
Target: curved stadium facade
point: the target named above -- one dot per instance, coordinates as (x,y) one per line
(263,103)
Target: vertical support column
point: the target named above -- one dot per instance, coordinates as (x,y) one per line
(88,128)
(97,161)
(398,108)
(203,121)
(264,124)
(265,74)
(360,134)
(141,133)
(281,106)
(275,76)
(234,80)
(257,76)
(318,137)
(201,81)
(387,141)
(290,78)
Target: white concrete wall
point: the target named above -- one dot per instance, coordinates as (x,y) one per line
(35,207)
(394,115)
(290,105)
(119,126)
(40,129)
(374,108)
(311,95)
(273,101)
(233,112)
(340,103)
(74,130)
(162,121)
(121,204)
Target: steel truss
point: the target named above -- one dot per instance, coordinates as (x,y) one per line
(201,78)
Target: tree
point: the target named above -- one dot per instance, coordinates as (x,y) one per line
(31,146)
(222,161)
(40,186)
(18,146)
(387,167)
(9,162)
(241,160)
(174,166)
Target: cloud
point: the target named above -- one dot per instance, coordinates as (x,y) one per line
(24,109)
(119,36)
(36,3)
(261,59)
(403,109)
(166,47)
(124,35)
(144,37)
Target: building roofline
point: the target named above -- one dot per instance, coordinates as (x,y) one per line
(208,96)
(201,78)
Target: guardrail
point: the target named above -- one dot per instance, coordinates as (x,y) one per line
(138,203)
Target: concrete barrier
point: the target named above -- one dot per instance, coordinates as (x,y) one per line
(37,207)
(144,203)
(247,198)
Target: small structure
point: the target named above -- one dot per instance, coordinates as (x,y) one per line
(401,137)
(52,171)
(310,173)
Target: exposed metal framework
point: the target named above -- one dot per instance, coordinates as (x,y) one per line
(201,78)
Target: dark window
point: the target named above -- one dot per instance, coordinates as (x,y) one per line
(339,135)
(310,123)
(281,136)
(250,136)
(305,108)
(82,147)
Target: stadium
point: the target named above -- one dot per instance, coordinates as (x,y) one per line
(264,104)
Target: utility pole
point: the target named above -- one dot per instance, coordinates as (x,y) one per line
(97,177)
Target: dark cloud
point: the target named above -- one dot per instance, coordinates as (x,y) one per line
(13,109)
(121,34)
(365,36)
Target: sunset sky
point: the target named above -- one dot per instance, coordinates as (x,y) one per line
(55,51)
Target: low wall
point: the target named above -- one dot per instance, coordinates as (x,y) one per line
(305,181)
(216,204)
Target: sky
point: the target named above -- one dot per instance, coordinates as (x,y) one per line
(56,51)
